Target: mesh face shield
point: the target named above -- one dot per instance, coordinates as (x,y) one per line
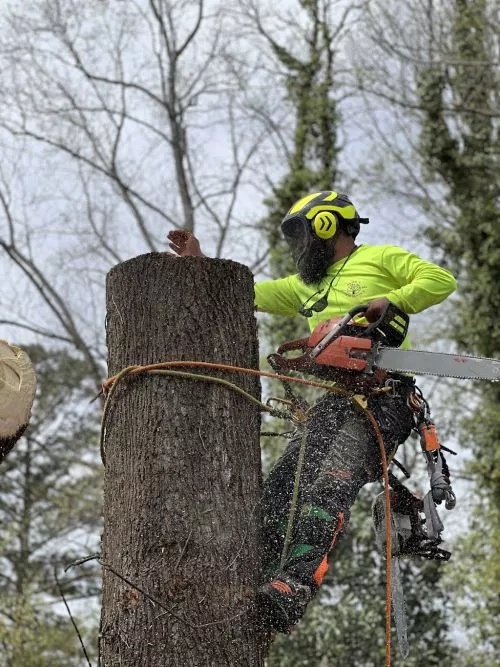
(297,233)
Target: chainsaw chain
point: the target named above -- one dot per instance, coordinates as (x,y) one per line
(446,375)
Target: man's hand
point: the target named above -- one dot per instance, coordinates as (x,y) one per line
(375,309)
(184,243)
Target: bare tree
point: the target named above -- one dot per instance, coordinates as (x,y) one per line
(120,120)
(409,42)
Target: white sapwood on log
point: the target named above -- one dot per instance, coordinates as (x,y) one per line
(17,392)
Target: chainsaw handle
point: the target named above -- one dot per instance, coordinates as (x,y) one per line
(357,310)
(391,327)
(374,325)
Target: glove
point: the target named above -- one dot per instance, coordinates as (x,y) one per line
(184,243)
(375,309)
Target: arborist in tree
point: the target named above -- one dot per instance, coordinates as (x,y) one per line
(334,274)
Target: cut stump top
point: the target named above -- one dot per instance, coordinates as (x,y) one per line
(17,389)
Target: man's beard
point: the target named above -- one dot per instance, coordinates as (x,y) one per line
(312,265)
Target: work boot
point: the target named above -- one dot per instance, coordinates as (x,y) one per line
(282,603)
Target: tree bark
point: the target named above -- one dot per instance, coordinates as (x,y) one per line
(183,476)
(17,392)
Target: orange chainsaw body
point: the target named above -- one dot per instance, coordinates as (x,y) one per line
(346,352)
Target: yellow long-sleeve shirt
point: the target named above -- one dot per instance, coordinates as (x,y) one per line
(372,272)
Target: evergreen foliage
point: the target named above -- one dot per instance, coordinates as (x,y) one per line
(313,159)
(462,151)
(50,488)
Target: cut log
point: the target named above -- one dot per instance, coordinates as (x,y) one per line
(17,392)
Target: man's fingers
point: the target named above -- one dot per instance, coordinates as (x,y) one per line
(375,309)
(178,235)
(184,243)
(177,239)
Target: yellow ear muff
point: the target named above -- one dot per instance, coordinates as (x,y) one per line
(325,224)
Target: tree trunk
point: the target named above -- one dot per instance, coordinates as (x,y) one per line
(17,392)
(183,476)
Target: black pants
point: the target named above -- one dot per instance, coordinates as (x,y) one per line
(342,455)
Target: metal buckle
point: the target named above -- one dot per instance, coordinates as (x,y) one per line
(392,383)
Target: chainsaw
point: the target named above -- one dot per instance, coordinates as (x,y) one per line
(342,348)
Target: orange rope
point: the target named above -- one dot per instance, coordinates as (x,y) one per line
(134,370)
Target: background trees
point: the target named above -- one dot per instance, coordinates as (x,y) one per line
(448,68)
(316,85)
(120,120)
(50,500)
(466,158)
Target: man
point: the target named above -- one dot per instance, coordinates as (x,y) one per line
(341,455)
